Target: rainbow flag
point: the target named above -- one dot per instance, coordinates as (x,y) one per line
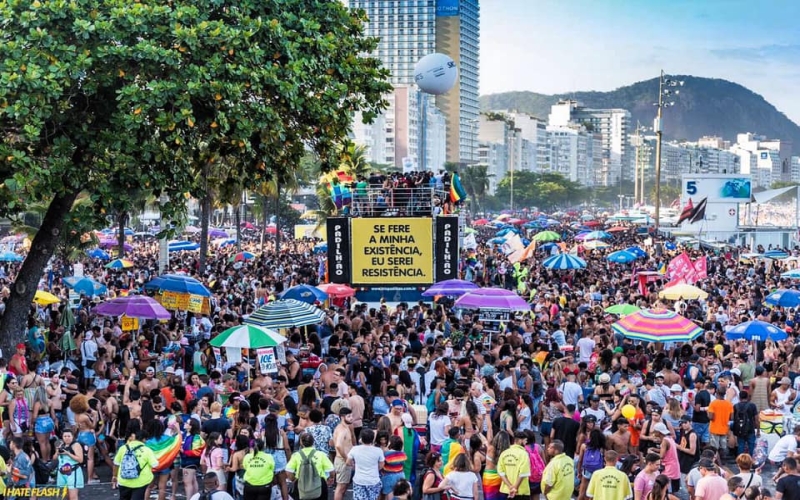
(457,192)
(166,449)
(193,446)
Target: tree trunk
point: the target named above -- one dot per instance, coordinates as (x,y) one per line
(277,216)
(264,208)
(14,322)
(205,213)
(121,234)
(238,221)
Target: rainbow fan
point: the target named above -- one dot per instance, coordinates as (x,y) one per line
(166,449)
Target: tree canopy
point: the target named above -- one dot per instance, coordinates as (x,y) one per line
(544,190)
(105,96)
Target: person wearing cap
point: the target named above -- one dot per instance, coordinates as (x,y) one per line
(150,382)
(668,451)
(711,486)
(783,398)
(594,409)
(18,365)
(609,483)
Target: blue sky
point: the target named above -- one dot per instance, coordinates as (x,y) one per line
(556,46)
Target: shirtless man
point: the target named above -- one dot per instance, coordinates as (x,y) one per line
(258,384)
(130,397)
(149,383)
(396,415)
(620,441)
(343,438)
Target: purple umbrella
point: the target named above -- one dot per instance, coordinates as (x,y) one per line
(134,306)
(493,298)
(450,288)
(115,244)
(217,233)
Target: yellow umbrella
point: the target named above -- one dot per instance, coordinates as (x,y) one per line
(45,298)
(595,244)
(682,291)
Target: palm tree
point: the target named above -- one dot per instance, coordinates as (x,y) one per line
(475,179)
(353,161)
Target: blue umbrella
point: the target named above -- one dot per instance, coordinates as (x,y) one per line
(321,248)
(305,293)
(621,257)
(597,235)
(670,245)
(756,330)
(564,261)
(85,285)
(507,230)
(531,225)
(178,283)
(776,254)
(10,257)
(229,241)
(98,253)
(637,251)
(496,241)
(784,298)
(183,246)
(793,274)
(546,246)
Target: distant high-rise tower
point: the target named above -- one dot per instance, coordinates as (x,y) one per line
(411,29)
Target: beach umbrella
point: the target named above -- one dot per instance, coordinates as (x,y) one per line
(507,231)
(305,293)
(178,283)
(784,298)
(496,241)
(133,306)
(597,235)
(119,264)
(337,290)
(622,309)
(450,288)
(248,337)
(776,254)
(97,253)
(492,298)
(564,261)
(85,285)
(45,298)
(617,229)
(321,247)
(480,222)
(286,313)
(217,233)
(756,330)
(595,245)
(670,245)
(191,230)
(793,274)
(243,256)
(621,257)
(546,236)
(657,325)
(10,257)
(682,291)
(639,252)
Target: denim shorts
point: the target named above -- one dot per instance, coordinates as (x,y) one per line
(44,425)
(389,480)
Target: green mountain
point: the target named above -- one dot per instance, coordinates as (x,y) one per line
(705,106)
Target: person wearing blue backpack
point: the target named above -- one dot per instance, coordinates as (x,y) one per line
(590,459)
(133,465)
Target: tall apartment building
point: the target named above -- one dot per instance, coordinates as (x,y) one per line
(533,132)
(682,158)
(411,29)
(575,153)
(767,161)
(613,126)
(497,148)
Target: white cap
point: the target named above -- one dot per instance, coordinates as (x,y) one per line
(676,388)
(660,427)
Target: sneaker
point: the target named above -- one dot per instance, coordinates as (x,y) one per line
(94,481)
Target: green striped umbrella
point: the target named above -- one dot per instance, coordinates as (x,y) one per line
(286,313)
(622,309)
(248,337)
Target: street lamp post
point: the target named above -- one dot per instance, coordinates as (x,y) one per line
(664,90)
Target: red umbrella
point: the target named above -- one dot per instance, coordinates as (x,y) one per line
(617,229)
(480,222)
(337,290)
(272,229)
(592,223)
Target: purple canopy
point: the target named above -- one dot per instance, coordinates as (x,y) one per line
(450,288)
(135,306)
(493,298)
(217,233)
(115,244)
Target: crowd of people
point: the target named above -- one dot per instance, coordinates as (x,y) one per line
(411,400)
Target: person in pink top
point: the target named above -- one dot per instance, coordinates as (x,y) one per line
(669,456)
(711,486)
(643,484)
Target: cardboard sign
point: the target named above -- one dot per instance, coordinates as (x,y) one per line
(267,360)
(129,324)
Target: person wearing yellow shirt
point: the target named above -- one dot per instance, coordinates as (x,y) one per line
(321,462)
(558,478)
(514,468)
(133,489)
(259,472)
(609,483)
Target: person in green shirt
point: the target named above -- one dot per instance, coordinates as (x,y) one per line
(321,462)
(259,472)
(133,489)
(609,483)
(514,468)
(558,478)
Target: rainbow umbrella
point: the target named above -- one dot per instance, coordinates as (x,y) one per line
(119,264)
(657,325)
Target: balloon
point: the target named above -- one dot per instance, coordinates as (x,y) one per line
(628,411)
(435,73)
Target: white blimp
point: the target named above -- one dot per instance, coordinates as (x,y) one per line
(435,73)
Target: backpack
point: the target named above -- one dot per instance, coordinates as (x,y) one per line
(592,459)
(742,421)
(537,464)
(129,466)
(309,484)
